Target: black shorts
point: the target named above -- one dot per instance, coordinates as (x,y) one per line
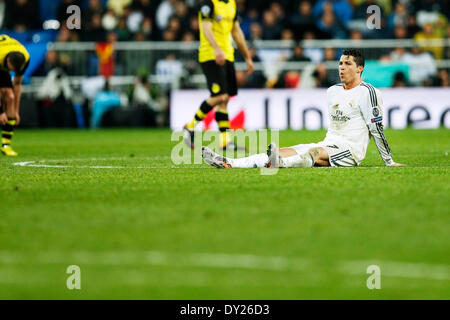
(220,79)
(5,79)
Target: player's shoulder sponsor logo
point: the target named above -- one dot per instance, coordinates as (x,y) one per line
(205,10)
(375,112)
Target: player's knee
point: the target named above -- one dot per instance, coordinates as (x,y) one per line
(315,153)
(217,100)
(8,97)
(224,98)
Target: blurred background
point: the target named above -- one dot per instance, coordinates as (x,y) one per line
(120,68)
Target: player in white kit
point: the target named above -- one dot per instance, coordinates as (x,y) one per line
(354,108)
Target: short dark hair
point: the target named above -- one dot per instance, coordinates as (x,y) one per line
(357,55)
(17,60)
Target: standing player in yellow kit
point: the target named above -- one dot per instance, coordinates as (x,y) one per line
(13,57)
(218,25)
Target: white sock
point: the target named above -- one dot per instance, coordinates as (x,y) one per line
(256,161)
(304,160)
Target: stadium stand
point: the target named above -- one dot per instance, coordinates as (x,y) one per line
(295,43)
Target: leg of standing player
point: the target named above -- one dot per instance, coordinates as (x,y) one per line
(222,117)
(216,78)
(206,106)
(201,113)
(223,122)
(8,117)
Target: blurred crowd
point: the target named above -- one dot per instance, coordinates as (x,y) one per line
(176,20)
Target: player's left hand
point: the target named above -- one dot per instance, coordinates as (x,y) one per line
(17,119)
(250,66)
(220,57)
(3,118)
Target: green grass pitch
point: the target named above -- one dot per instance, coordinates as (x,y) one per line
(141,229)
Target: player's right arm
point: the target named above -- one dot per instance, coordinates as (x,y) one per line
(17,88)
(373,116)
(207,14)
(239,38)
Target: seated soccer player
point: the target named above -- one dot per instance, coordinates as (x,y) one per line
(354,108)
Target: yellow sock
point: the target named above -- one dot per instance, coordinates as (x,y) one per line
(191,125)
(8,131)
(204,109)
(225,137)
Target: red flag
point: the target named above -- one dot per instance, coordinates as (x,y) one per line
(238,121)
(105,53)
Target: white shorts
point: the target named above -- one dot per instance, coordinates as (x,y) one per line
(339,154)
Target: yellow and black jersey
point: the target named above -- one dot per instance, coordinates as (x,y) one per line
(8,45)
(222,14)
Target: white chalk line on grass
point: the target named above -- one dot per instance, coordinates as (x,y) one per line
(33,164)
(42,164)
(394,269)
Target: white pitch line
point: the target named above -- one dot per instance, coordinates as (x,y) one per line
(32,164)
(394,269)
(41,164)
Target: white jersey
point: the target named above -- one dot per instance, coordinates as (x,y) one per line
(355,115)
